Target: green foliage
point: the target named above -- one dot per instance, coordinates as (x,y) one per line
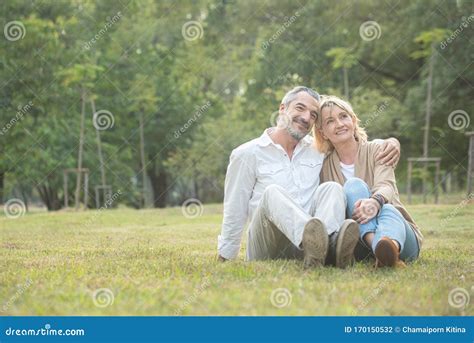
(427,40)
(342,57)
(133,59)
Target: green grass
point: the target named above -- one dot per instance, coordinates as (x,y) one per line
(157,262)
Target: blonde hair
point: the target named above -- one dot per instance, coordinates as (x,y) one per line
(324,145)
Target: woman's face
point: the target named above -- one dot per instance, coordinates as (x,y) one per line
(337,125)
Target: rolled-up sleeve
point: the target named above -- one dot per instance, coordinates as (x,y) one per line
(239,183)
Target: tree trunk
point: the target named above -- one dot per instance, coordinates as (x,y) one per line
(50,197)
(159,185)
(99,149)
(426,135)
(2,185)
(142,159)
(346,83)
(81,147)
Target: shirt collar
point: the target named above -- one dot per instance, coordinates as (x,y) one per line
(265,139)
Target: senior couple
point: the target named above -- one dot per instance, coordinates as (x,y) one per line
(325,200)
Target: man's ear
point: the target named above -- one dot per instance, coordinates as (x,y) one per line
(282,108)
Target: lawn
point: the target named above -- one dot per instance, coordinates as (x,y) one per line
(159,262)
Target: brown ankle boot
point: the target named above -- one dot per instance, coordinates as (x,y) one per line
(386,254)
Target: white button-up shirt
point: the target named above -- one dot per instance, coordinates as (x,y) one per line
(254,166)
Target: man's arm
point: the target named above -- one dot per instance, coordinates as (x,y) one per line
(389,154)
(239,183)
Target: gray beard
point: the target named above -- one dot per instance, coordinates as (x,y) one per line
(297,136)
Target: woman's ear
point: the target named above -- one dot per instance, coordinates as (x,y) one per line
(322,134)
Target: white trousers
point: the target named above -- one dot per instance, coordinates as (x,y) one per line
(276,229)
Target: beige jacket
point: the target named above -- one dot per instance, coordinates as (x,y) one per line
(379,178)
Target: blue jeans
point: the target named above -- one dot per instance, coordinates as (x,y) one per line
(389,222)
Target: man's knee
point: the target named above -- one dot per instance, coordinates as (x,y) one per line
(331,186)
(354,185)
(271,190)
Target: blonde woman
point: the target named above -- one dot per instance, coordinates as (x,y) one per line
(386,228)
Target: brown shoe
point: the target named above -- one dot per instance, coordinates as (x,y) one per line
(387,255)
(315,243)
(347,239)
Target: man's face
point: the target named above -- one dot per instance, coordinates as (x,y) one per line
(300,115)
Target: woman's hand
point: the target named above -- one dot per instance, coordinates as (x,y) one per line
(365,210)
(389,153)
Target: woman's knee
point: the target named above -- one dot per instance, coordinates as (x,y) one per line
(356,186)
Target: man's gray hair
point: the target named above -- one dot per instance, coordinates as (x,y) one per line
(291,95)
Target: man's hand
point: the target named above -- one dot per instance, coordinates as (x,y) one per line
(221,259)
(365,210)
(389,153)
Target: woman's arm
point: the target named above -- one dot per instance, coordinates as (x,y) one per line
(384,177)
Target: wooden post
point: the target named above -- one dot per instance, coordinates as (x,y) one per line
(409,181)
(470,167)
(142,158)
(99,148)
(86,188)
(66,194)
(81,147)
(436,181)
(425,161)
